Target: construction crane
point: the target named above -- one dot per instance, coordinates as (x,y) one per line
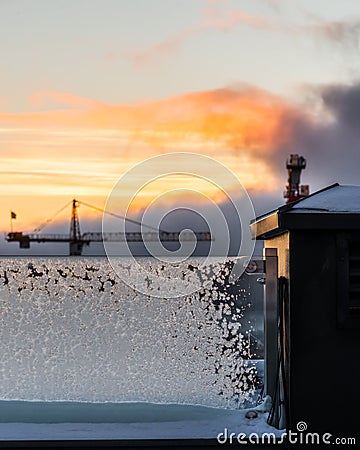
(294,191)
(77,240)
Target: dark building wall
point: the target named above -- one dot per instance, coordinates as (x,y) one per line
(324,364)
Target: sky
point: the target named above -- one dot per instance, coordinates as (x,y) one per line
(90,88)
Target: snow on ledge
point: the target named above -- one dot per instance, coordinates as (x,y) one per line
(201,423)
(344,198)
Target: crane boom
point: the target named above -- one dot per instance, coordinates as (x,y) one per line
(149,236)
(129,236)
(77,240)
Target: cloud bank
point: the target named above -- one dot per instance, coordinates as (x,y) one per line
(247,128)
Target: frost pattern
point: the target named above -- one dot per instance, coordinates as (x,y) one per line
(71,330)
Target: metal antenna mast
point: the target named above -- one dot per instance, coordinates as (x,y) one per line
(294,191)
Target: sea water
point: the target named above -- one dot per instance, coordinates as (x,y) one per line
(79,345)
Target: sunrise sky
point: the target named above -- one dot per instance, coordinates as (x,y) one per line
(91,87)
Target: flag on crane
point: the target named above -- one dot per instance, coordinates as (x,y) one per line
(13,215)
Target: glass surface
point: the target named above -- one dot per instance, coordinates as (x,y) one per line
(79,346)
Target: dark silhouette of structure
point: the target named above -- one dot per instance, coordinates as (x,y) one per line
(294,190)
(312,310)
(77,240)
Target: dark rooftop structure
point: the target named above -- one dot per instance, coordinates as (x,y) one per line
(312,309)
(333,207)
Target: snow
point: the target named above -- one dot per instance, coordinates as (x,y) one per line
(344,198)
(184,422)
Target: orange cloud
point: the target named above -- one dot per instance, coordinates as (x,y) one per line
(224,20)
(83,148)
(249,119)
(215,18)
(161,50)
